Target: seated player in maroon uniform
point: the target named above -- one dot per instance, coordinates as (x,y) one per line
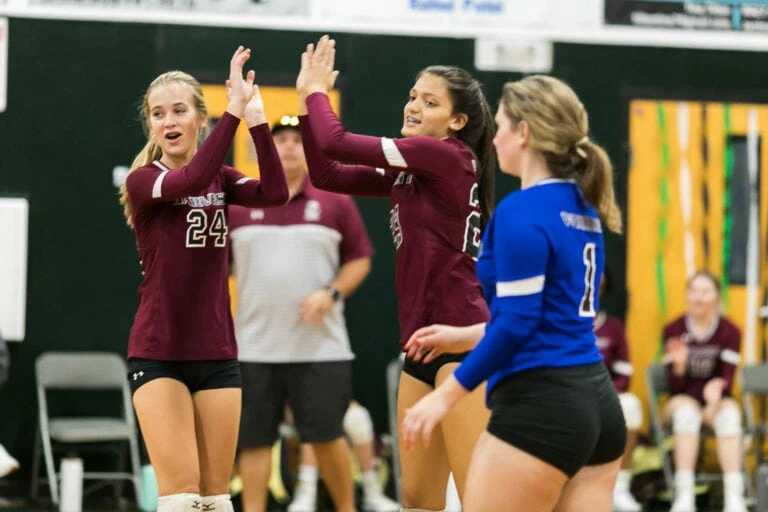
(439,179)
(612,342)
(182,353)
(702,351)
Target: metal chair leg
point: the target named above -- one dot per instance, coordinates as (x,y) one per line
(53,481)
(35,479)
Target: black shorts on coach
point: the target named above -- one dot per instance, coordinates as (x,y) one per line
(318,394)
(567,417)
(196,375)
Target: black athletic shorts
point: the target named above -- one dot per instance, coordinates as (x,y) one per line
(196,375)
(427,373)
(567,417)
(318,394)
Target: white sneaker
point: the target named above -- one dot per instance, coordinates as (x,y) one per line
(625,502)
(684,502)
(304,498)
(7,463)
(378,502)
(734,503)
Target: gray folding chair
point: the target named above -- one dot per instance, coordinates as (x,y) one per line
(754,385)
(656,379)
(83,371)
(657,382)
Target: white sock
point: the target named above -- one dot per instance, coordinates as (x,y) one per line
(623,480)
(684,480)
(371,483)
(179,502)
(733,482)
(308,474)
(217,503)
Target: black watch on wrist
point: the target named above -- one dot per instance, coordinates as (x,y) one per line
(335,294)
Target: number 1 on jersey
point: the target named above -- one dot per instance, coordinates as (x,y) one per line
(587,307)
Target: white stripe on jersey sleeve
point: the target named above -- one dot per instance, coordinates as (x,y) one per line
(243,180)
(528,286)
(730,356)
(392,154)
(161,165)
(157,189)
(623,368)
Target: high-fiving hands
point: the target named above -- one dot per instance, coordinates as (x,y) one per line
(244,96)
(317,73)
(239,88)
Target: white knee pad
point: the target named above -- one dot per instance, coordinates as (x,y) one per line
(358,425)
(728,422)
(179,502)
(686,420)
(633,411)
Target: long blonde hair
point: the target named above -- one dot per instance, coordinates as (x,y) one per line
(151,150)
(559,128)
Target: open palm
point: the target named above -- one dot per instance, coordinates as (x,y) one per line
(317,73)
(240,89)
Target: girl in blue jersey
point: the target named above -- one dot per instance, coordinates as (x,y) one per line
(557,432)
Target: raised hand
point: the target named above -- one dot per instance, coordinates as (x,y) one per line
(677,352)
(239,88)
(317,73)
(254,110)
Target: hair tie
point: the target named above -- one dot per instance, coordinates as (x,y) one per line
(582,141)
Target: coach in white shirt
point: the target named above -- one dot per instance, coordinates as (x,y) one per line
(293,266)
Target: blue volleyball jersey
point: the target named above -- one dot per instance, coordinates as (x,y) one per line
(540,266)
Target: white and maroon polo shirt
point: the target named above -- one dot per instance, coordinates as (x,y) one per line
(281,255)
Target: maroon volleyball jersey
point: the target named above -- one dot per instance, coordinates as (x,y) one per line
(716,354)
(434,211)
(612,342)
(180,223)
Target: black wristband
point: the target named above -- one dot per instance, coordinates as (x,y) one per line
(335,294)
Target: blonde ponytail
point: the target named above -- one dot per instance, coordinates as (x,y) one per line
(148,154)
(597,185)
(558,129)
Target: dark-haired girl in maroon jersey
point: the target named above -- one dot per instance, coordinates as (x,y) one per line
(439,178)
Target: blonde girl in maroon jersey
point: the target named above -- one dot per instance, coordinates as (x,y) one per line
(702,352)
(182,353)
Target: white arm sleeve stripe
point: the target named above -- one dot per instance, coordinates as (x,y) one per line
(529,286)
(730,356)
(392,154)
(157,189)
(622,368)
(243,180)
